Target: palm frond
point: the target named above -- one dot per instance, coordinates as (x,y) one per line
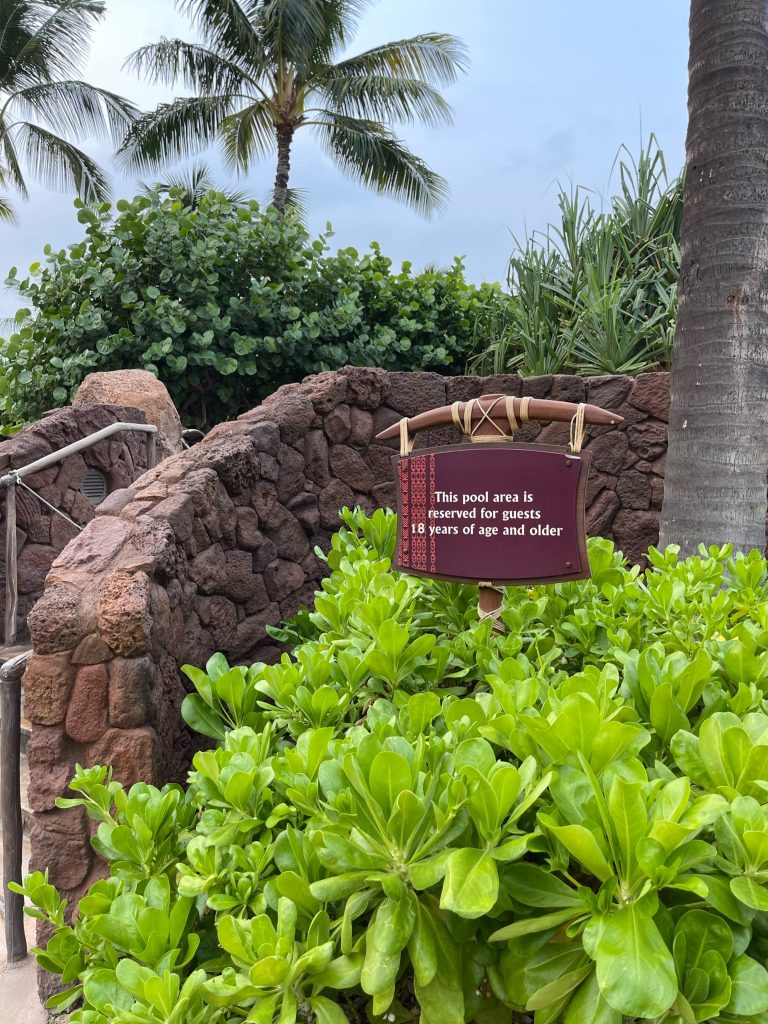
(10,168)
(248,134)
(7,213)
(381,98)
(192,184)
(174,131)
(200,69)
(227,27)
(58,164)
(77,108)
(295,200)
(433,57)
(369,153)
(58,34)
(305,33)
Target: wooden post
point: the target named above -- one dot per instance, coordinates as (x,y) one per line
(11,564)
(151,444)
(490,598)
(10,803)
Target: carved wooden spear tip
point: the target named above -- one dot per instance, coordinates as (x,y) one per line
(494,406)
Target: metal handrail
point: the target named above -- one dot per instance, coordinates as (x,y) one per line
(10,802)
(11,478)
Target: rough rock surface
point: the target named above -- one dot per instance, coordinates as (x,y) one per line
(141,389)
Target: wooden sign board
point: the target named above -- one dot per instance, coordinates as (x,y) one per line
(501,513)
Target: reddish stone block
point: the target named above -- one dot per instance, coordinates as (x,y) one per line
(650,392)
(600,514)
(87,714)
(131,752)
(362,427)
(338,424)
(634,490)
(608,451)
(130,686)
(350,468)
(124,612)
(60,844)
(648,439)
(47,686)
(635,532)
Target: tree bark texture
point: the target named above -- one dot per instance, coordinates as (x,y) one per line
(715,483)
(284,140)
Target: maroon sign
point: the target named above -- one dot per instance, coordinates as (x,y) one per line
(502,513)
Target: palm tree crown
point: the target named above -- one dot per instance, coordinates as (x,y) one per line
(266,68)
(42,46)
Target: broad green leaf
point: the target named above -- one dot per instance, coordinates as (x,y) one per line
(749,994)
(750,892)
(666,715)
(394,924)
(635,969)
(327,1012)
(583,846)
(589,1006)
(390,775)
(442,1000)
(536,887)
(471,884)
(421,948)
(105,993)
(559,988)
(531,925)
(629,819)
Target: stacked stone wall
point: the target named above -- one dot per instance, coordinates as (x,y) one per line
(205,551)
(41,535)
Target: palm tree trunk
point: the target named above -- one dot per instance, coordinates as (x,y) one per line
(284,140)
(715,486)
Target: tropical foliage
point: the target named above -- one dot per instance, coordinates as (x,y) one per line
(44,107)
(597,292)
(224,302)
(414,817)
(262,71)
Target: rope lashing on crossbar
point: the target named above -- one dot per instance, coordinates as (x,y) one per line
(486,416)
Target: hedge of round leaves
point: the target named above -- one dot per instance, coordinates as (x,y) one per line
(413,818)
(224,302)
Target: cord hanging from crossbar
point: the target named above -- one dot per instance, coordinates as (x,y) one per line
(577,429)
(406,441)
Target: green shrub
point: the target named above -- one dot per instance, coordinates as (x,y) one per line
(597,292)
(224,302)
(411,814)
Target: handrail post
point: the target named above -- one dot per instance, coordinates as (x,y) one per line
(10,803)
(11,560)
(151,443)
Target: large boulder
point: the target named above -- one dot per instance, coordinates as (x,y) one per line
(142,390)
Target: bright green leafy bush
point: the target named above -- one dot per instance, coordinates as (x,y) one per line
(412,817)
(224,302)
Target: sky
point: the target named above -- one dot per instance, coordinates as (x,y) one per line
(554,88)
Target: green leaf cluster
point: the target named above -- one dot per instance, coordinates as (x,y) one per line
(411,817)
(595,292)
(224,302)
